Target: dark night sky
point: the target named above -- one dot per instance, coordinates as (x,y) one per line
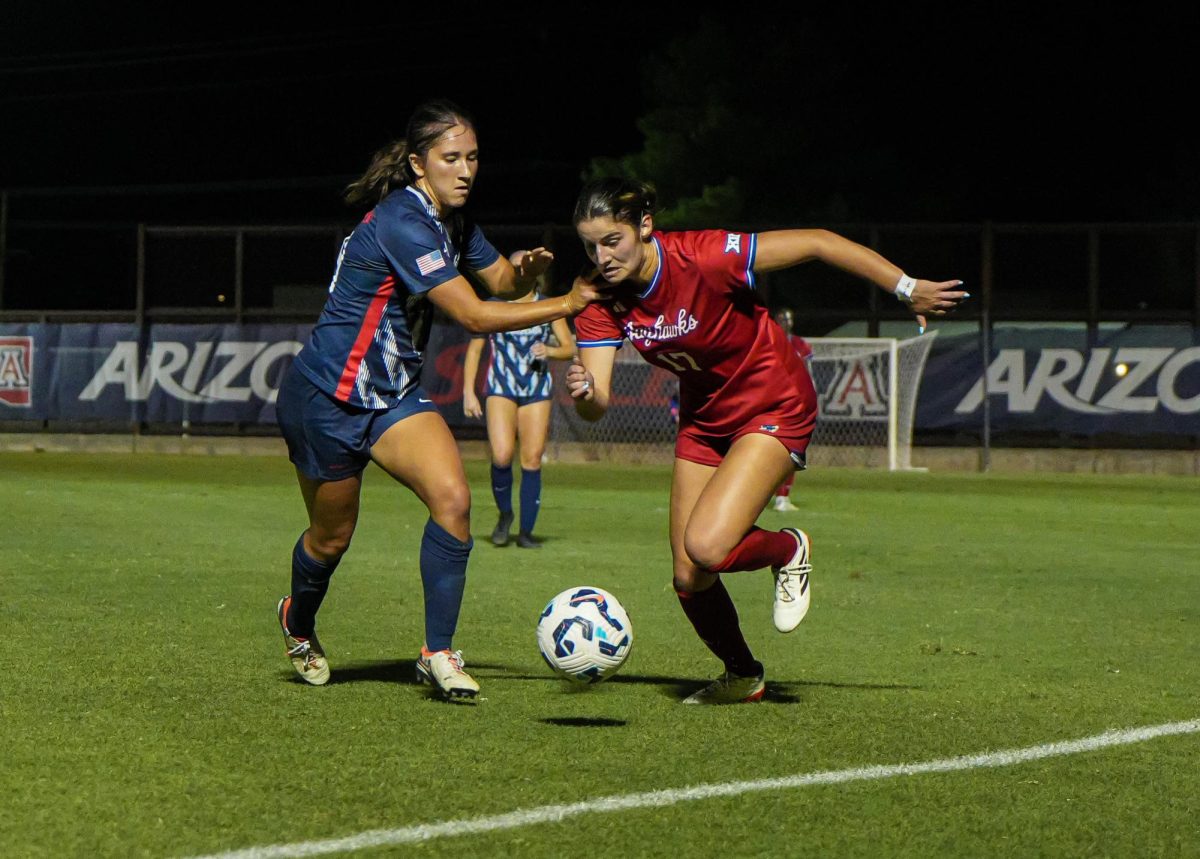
(1031,114)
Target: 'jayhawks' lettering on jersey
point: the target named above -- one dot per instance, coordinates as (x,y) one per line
(684,323)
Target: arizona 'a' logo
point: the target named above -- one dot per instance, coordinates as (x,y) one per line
(16,370)
(857,391)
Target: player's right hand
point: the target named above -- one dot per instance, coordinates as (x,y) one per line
(471,406)
(580,384)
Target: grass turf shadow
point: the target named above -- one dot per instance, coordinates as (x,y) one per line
(777,692)
(678,688)
(583,722)
(402,671)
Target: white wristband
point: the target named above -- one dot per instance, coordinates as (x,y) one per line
(904,288)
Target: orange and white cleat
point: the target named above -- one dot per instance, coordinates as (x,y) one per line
(306,654)
(443,670)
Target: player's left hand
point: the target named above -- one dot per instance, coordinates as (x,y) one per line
(538,349)
(580,383)
(936,299)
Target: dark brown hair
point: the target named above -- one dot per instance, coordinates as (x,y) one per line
(624,200)
(389,168)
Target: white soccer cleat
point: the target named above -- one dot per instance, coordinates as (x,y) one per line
(444,671)
(306,654)
(792,592)
(730,689)
(783,504)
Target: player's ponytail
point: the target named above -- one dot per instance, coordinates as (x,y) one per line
(623,200)
(387,171)
(389,168)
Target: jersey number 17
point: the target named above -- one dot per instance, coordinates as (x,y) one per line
(676,361)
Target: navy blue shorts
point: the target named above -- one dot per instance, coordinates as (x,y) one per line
(327,439)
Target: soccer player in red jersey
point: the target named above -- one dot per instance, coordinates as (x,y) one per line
(787,320)
(686,301)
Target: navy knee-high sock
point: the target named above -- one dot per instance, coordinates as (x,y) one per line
(310,582)
(444,576)
(531,498)
(502,487)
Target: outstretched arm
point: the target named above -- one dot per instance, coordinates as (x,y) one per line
(778,249)
(458,300)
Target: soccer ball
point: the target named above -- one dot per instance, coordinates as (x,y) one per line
(584,634)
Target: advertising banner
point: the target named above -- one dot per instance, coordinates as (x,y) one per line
(172,374)
(1132,381)
(175,374)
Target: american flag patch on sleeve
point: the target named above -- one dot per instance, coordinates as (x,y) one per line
(431,262)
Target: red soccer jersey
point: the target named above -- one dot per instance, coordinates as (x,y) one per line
(801,346)
(701,319)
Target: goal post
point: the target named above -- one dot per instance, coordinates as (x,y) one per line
(866,399)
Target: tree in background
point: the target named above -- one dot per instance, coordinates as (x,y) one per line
(916,113)
(733,117)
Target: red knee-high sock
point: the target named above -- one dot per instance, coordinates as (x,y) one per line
(785,488)
(716,622)
(758,549)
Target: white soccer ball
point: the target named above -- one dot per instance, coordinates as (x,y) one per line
(584,634)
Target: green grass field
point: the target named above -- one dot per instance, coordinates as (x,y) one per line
(147,708)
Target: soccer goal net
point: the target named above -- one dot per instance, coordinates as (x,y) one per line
(866,399)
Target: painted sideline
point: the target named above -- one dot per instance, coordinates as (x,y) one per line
(673,796)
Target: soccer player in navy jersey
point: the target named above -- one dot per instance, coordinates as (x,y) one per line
(686,301)
(518,411)
(353,394)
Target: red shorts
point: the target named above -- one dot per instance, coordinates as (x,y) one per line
(695,446)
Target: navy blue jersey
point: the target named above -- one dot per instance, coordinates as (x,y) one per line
(513,372)
(365,349)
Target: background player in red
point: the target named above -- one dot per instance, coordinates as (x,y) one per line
(686,301)
(787,321)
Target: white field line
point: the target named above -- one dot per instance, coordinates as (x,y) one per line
(673,796)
